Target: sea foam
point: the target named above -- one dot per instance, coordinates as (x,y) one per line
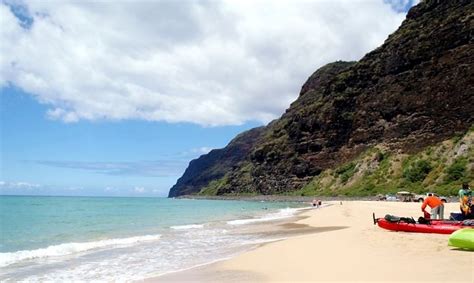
(70,248)
(281,214)
(186,227)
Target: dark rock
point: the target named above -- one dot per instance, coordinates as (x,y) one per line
(215,164)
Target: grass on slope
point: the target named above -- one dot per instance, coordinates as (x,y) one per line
(441,169)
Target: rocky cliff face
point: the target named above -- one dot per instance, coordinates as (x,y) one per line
(216,163)
(412,92)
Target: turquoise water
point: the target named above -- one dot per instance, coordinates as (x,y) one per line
(63,238)
(36,222)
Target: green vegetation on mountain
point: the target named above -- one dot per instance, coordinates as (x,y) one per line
(440,168)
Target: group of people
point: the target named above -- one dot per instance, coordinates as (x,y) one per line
(316,203)
(437,206)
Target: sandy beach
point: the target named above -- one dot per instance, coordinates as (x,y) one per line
(346,246)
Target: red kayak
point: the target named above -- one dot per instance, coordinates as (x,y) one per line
(435,226)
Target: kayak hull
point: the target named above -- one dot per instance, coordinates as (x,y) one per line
(438,228)
(463,238)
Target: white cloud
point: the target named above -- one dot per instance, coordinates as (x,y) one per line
(18,185)
(139,190)
(157,168)
(401,5)
(205,62)
(201,150)
(74,189)
(109,189)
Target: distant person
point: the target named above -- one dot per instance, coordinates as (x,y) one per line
(436,205)
(465,201)
(315,203)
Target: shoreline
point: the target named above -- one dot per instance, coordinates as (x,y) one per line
(286,228)
(302,199)
(279,198)
(282,229)
(359,251)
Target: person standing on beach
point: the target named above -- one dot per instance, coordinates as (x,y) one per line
(437,206)
(465,200)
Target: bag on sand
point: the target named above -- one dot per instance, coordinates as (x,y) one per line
(396,219)
(423,220)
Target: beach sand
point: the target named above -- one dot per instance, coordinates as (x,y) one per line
(345,247)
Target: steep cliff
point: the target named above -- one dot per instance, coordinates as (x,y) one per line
(414,91)
(215,164)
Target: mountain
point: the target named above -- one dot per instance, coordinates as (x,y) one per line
(411,95)
(215,164)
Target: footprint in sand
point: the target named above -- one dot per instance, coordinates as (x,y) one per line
(347,213)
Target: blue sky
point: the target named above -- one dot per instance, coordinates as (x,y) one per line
(43,156)
(116,99)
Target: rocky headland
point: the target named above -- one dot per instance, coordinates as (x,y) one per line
(400,118)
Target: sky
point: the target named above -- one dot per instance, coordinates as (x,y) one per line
(115,98)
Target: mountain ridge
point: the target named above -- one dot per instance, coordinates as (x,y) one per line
(412,92)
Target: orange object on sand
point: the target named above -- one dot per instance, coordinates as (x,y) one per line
(432,202)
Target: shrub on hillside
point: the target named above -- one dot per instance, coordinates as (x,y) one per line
(457,170)
(346,172)
(417,171)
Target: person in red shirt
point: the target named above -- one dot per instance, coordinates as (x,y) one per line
(437,206)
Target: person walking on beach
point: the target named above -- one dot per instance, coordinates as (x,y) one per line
(437,206)
(465,201)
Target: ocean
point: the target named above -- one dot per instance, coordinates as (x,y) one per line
(125,239)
